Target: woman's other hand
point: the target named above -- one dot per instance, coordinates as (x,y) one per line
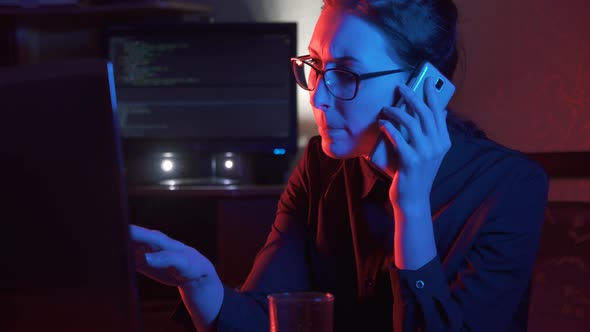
(166,260)
(173,263)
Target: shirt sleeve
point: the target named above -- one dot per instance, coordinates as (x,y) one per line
(280,266)
(494,273)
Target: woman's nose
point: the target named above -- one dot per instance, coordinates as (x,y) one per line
(320,97)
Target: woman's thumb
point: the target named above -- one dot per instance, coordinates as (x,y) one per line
(161,259)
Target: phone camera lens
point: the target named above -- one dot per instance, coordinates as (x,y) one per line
(439,84)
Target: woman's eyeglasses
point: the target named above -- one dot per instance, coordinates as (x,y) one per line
(341,83)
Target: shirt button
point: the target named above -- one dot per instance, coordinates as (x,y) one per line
(369,283)
(419,284)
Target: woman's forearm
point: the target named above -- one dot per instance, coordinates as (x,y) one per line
(203,299)
(414,243)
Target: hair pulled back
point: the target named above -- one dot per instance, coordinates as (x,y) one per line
(417,30)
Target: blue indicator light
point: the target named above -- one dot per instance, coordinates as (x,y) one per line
(113,90)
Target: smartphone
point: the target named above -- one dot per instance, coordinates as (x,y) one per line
(444,90)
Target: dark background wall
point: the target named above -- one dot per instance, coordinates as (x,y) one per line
(524,75)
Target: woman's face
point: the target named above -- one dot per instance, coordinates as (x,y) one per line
(343,40)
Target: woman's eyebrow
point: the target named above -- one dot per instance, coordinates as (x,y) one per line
(344,58)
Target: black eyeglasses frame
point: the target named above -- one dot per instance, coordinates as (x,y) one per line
(295,61)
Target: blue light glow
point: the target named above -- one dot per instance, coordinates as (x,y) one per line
(279,151)
(111,76)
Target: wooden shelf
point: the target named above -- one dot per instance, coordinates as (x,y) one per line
(228,191)
(56,16)
(36,34)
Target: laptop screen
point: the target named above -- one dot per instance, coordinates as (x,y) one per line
(65,249)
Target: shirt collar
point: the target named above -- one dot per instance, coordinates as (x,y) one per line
(452,161)
(371,176)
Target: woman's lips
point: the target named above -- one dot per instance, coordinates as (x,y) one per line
(331,131)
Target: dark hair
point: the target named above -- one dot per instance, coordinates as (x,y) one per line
(420,30)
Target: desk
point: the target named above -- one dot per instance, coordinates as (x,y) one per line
(228,224)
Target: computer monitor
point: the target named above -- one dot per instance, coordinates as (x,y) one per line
(200,90)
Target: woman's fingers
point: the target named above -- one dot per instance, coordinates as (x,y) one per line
(418,107)
(166,267)
(414,129)
(426,124)
(165,259)
(439,113)
(175,267)
(395,137)
(153,239)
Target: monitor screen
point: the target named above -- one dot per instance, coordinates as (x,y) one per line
(205,87)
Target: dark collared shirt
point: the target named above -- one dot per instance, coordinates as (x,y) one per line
(334,233)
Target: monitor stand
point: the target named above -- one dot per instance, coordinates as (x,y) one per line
(204,181)
(215,169)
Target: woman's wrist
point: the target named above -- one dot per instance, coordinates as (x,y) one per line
(414,243)
(203,299)
(413,209)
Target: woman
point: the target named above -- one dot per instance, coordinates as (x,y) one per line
(441,235)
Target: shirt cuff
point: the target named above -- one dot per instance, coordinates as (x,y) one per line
(420,285)
(230,298)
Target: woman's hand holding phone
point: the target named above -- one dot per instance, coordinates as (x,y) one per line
(418,160)
(414,131)
(420,154)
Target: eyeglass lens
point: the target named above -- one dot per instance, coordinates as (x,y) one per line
(341,84)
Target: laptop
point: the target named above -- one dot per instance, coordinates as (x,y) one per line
(66,263)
